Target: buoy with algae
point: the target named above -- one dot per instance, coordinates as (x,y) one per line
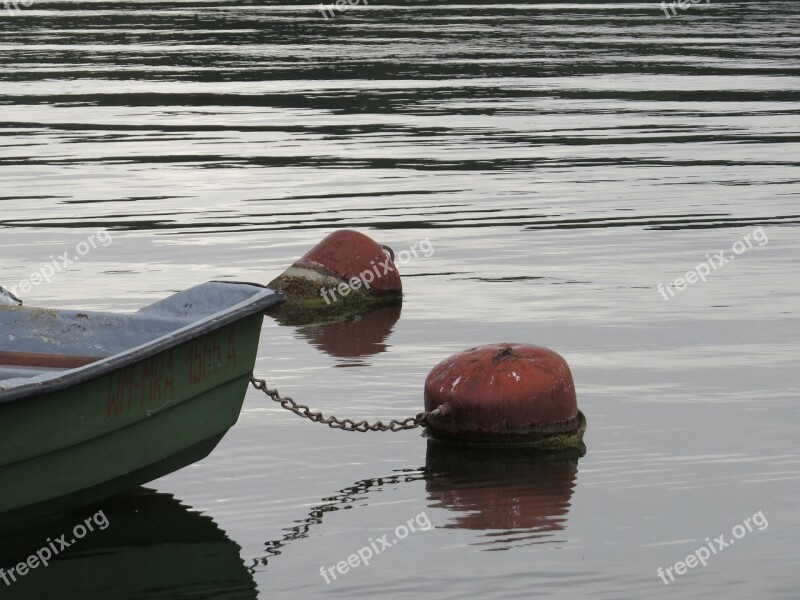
(346,273)
(505,395)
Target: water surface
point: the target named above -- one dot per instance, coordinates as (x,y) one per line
(563,160)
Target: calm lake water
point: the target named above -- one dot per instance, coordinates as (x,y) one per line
(562,159)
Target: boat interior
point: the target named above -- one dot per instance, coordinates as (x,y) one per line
(37,341)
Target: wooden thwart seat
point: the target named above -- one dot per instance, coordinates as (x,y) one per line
(50,361)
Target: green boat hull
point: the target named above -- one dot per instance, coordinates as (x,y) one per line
(159,412)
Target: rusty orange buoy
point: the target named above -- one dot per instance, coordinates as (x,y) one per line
(505,394)
(346,272)
(347,256)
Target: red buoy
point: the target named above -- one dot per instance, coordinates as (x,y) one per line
(505,394)
(346,255)
(346,273)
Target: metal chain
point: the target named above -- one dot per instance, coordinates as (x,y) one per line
(420,420)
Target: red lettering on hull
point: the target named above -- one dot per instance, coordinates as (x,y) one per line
(206,359)
(143,385)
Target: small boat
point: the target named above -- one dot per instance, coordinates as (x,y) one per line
(95,403)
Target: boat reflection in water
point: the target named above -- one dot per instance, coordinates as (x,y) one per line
(356,337)
(152,547)
(517,497)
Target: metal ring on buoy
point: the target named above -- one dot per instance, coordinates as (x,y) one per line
(389,252)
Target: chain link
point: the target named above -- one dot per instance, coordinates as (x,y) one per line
(420,420)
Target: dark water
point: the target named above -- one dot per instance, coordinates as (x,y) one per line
(562,160)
